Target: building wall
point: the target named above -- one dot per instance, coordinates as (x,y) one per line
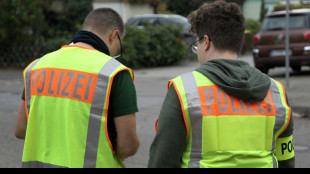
(125,9)
(252,8)
(270,4)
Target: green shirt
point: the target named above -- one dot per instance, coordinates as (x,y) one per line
(123,101)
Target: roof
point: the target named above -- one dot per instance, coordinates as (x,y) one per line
(294,11)
(158,15)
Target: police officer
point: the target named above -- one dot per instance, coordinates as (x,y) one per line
(225,113)
(79,104)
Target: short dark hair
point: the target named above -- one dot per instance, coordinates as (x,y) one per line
(223,22)
(102,20)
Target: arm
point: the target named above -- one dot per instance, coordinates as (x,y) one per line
(122,109)
(170,141)
(285,147)
(127,140)
(21,122)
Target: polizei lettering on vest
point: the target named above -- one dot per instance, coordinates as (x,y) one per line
(214,101)
(62,83)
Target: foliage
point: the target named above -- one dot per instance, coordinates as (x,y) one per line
(281,6)
(252,26)
(28,21)
(19,21)
(152,46)
(44,24)
(66,23)
(185,7)
(21,33)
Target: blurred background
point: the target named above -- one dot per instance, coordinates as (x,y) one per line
(157,46)
(32,28)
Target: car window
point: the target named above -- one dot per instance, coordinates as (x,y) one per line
(176,22)
(165,21)
(183,22)
(140,22)
(279,23)
(144,21)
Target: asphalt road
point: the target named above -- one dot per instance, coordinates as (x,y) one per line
(151,87)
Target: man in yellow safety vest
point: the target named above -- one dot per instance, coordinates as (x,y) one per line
(79,103)
(225,113)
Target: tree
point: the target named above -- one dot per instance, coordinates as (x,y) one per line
(263,11)
(43,25)
(30,21)
(65,21)
(154,4)
(184,7)
(19,21)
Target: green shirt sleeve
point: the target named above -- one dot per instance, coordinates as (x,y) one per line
(170,141)
(123,101)
(123,98)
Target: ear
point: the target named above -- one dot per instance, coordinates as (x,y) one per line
(207,41)
(113,35)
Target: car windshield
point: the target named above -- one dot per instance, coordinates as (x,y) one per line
(143,21)
(279,23)
(176,21)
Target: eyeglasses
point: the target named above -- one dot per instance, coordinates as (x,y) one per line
(194,45)
(121,48)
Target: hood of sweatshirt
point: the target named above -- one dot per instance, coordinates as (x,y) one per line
(237,78)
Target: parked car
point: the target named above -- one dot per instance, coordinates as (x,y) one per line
(269,43)
(160,19)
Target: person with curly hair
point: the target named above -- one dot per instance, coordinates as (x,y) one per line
(226,113)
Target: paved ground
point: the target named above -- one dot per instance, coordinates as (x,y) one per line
(11,86)
(151,87)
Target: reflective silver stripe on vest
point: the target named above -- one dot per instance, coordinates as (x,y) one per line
(280,108)
(36,164)
(194,108)
(28,84)
(96,113)
(280,115)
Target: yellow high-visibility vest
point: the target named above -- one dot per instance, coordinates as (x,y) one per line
(67,99)
(224,131)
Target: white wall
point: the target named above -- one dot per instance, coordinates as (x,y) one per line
(251,9)
(126,10)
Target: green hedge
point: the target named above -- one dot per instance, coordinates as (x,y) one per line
(152,46)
